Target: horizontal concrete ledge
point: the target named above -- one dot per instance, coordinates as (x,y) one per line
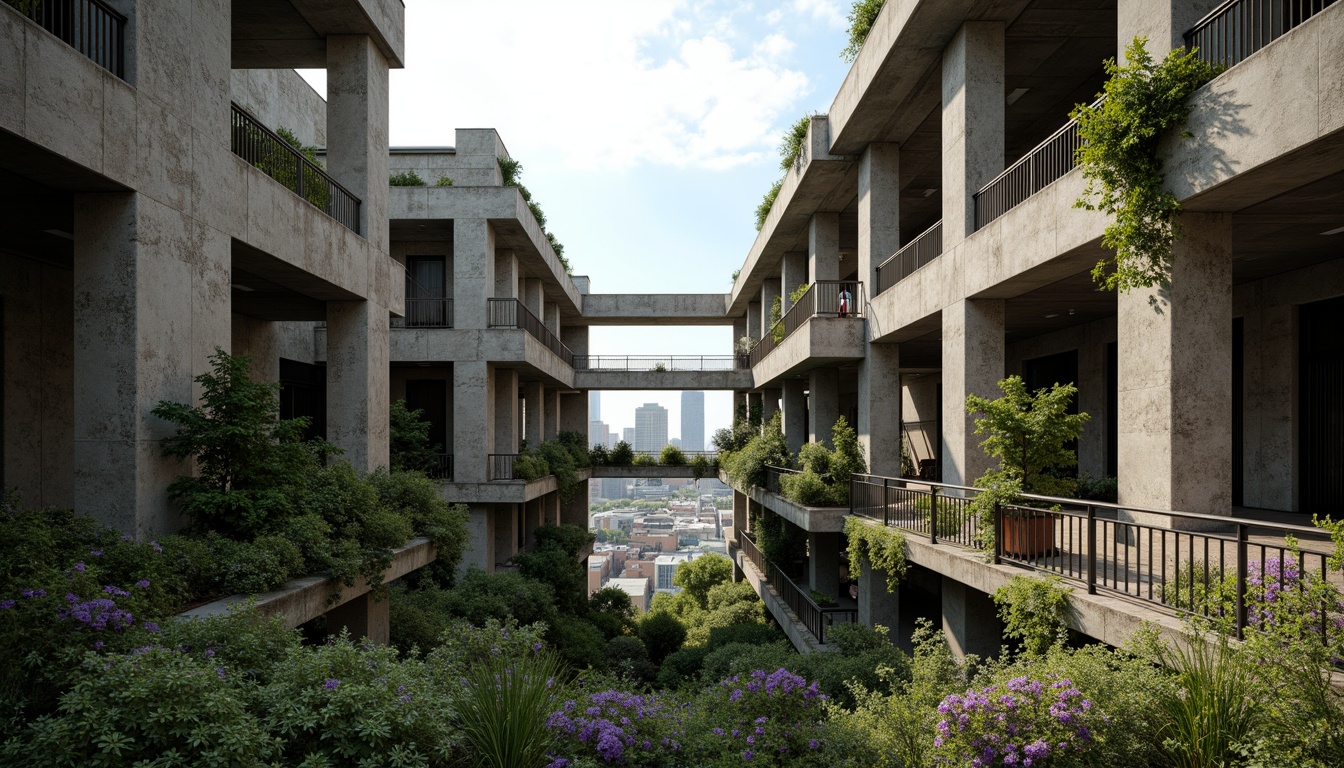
(647,472)
(638,380)
(798,634)
(810,519)
(503,491)
(655,309)
(821,341)
(305,599)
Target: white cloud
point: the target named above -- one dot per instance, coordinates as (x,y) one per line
(601,84)
(825,10)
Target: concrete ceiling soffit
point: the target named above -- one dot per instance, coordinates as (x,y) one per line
(382,20)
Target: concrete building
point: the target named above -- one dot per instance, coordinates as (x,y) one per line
(692,421)
(599,571)
(595,405)
(638,590)
(665,569)
(628,435)
(650,427)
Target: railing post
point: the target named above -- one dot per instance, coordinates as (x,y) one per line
(933,514)
(1242,536)
(886,501)
(1091,550)
(998,533)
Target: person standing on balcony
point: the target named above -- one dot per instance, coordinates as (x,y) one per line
(845,300)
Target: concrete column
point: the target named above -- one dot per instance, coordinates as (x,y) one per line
(877,606)
(739,515)
(823,563)
(1175,374)
(363,617)
(879,209)
(473,272)
(532,296)
(754,320)
(1163,22)
(550,317)
(357,382)
(879,426)
(769,291)
(823,247)
(972,122)
(769,404)
(532,518)
(793,273)
(151,303)
(357,135)
(551,415)
(576,338)
(575,511)
(973,344)
(739,330)
(534,414)
(794,403)
(507,279)
(481,530)
(473,420)
(1270,404)
(573,411)
(506,522)
(506,410)
(970,621)
(823,403)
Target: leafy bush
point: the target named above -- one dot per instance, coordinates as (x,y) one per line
(881,547)
(1105,489)
(794,139)
(1024,719)
(628,657)
(409,447)
(614,727)
(950,519)
(644,460)
(776,714)
(622,455)
(767,202)
(746,467)
(480,597)
(662,634)
(611,611)
(824,480)
(699,576)
(444,181)
(597,456)
(417,498)
(861,17)
(511,172)
(701,466)
(672,456)
(1034,610)
(408,178)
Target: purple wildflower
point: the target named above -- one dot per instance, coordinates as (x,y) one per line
(331,684)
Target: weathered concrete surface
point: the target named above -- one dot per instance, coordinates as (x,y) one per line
(357,382)
(655,309)
(823,403)
(877,606)
(810,519)
(501,491)
(495,345)
(793,405)
(970,621)
(281,98)
(471,162)
(823,563)
(973,342)
(302,600)
(879,210)
(823,247)
(973,107)
(821,341)
(879,427)
(670,380)
(798,635)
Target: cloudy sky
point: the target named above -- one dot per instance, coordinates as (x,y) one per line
(648,132)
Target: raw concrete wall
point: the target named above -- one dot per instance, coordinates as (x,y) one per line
(280,98)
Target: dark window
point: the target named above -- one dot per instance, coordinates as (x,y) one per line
(303,392)
(1238,403)
(1046,372)
(430,396)
(1321,406)
(426,292)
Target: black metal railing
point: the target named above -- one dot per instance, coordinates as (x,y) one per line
(661,362)
(280,160)
(1146,555)
(1238,28)
(800,603)
(427,313)
(773,477)
(1039,168)
(499,466)
(512,313)
(442,468)
(824,298)
(924,446)
(91,27)
(913,255)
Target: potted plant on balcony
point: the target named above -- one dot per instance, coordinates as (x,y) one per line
(1028,434)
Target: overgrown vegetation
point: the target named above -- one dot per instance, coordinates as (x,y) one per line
(763,210)
(1118,151)
(746,466)
(861,17)
(824,479)
(512,172)
(407,178)
(794,141)
(1034,611)
(409,448)
(881,547)
(562,457)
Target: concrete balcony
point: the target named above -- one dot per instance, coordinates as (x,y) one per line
(820,341)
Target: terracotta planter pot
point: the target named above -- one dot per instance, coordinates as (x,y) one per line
(1028,536)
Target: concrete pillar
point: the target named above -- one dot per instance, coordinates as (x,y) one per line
(823,247)
(1270,404)
(739,331)
(480,551)
(151,299)
(970,621)
(823,563)
(551,415)
(576,338)
(879,209)
(506,410)
(739,515)
(507,280)
(972,122)
(1163,22)
(880,395)
(532,518)
(506,522)
(769,292)
(575,511)
(794,401)
(550,317)
(473,272)
(877,606)
(769,404)
(473,420)
(363,618)
(534,430)
(357,382)
(973,344)
(823,403)
(1175,378)
(793,273)
(754,320)
(357,135)
(573,412)
(532,296)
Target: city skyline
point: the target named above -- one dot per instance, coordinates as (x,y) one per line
(617,410)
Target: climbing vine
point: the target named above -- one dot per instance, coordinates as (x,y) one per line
(883,547)
(1118,143)
(1034,610)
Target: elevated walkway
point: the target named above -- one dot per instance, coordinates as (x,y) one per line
(693,372)
(655,309)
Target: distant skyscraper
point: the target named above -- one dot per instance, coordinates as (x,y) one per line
(594,406)
(597,433)
(693,421)
(628,435)
(650,427)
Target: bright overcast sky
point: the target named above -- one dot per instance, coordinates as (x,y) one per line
(648,131)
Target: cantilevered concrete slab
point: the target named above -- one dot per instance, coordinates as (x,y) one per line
(821,341)
(283,34)
(655,309)
(671,380)
(513,346)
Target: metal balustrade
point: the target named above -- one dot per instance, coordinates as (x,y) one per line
(443,467)
(91,27)
(800,603)
(1129,552)
(1238,28)
(923,249)
(426,313)
(512,313)
(499,466)
(824,298)
(1039,168)
(275,157)
(667,362)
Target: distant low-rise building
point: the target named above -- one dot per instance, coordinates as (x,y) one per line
(637,589)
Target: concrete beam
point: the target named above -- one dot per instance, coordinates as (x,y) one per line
(655,309)
(662,380)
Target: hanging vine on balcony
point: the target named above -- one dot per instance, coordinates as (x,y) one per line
(1119,139)
(883,547)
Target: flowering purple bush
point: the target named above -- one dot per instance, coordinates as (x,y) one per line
(1025,723)
(773,718)
(616,727)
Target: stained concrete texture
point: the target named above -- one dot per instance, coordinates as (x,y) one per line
(970,621)
(823,404)
(973,109)
(793,273)
(823,247)
(473,271)
(973,364)
(879,209)
(794,404)
(357,382)
(880,419)
(877,606)
(823,563)
(357,129)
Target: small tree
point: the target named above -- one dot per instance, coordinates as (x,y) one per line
(702,574)
(408,437)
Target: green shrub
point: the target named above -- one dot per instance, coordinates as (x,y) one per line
(662,634)
(950,516)
(1209,714)
(644,460)
(746,467)
(622,455)
(1034,610)
(628,657)
(417,499)
(767,202)
(409,447)
(701,466)
(672,456)
(792,147)
(504,706)
(612,612)
(682,667)
(806,488)
(597,456)
(728,593)
(822,600)
(1105,489)
(480,597)
(862,15)
(444,181)
(578,642)
(699,576)
(408,178)
(881,548)
(530,466)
